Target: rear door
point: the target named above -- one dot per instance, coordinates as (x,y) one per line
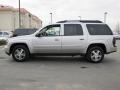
(73,39)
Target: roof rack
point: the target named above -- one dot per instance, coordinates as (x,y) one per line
(83,21)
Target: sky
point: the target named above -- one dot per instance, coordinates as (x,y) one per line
(71,9)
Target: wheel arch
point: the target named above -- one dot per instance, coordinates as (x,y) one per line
(99,45)
(15,44)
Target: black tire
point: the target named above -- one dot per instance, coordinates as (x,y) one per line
(95,58)
(15,55)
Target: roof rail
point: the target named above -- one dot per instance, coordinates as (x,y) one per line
(83,21)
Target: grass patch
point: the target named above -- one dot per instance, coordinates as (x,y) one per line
(2,42)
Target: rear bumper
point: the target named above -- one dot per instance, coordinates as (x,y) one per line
(112,50)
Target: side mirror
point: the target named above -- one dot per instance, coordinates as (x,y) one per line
(14,35)
(38,35)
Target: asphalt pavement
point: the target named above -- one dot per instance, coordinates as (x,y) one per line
(60,73)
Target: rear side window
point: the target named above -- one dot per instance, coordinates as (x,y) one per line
(99,29)
(73,29)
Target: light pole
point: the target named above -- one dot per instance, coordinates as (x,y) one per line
(105,17)
(80,17)
(19,16)
(30,24)
(51,17)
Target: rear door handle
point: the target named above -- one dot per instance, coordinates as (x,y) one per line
(81,39)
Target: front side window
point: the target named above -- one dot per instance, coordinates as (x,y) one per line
(99,29)
(73,29)
(52,30)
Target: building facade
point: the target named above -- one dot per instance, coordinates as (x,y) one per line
(9,19)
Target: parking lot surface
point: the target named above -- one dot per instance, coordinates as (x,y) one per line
(60,73)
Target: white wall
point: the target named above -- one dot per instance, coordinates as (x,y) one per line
(9,21)
(6,20)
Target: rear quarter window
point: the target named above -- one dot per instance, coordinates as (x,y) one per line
(99,29)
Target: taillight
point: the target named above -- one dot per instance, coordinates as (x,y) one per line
(114,42)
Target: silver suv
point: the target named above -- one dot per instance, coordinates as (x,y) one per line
(89,38)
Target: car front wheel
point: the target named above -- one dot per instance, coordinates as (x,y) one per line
(20,53)
(95,54)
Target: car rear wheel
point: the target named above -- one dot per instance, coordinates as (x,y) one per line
(95,54)
(20,53)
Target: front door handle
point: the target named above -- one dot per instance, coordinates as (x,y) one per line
(56,39)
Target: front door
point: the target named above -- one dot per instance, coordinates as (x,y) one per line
(49,40)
